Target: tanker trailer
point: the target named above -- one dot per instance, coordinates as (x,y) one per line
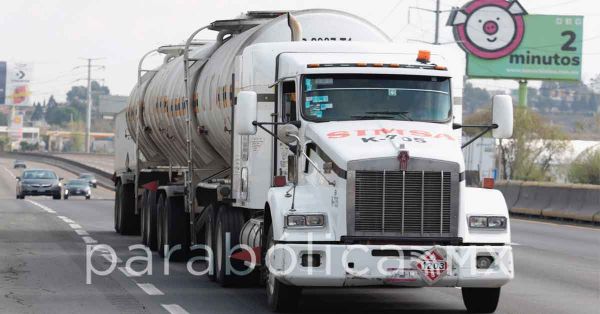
(309,150)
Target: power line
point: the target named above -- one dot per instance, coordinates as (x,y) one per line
(391,12)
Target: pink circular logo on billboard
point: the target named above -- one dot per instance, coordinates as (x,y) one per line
(489,29)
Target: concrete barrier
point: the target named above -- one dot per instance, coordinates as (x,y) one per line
(566,201)
(590,206)
(559,201)
(527,202)
(510,190)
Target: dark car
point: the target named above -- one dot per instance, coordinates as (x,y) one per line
(39,182)
(77,187)
(19,164)
(90,178)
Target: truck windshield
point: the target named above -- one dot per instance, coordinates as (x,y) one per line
(372,97)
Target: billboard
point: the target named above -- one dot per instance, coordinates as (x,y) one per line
(503,41)
(15,129)
(14,83)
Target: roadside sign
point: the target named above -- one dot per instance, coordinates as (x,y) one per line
(502,41)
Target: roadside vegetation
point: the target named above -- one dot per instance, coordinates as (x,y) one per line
(586,167)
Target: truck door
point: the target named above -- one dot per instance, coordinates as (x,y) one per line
(288,112)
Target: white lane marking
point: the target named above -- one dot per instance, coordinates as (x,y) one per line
(89,240)
(81,232)
(174,309)
(9,172)
(515,244)
(109,258)
(66,219)
(127,273)
(150,289)
(75,226)
(45,208)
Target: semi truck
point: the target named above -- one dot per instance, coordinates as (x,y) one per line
(306,149)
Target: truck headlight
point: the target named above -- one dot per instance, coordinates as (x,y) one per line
(293,221)
(491,222)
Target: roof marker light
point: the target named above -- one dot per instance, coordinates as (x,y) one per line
(424,56)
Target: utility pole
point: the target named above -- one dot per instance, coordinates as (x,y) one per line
(88,118)
(88,115)
(437,13)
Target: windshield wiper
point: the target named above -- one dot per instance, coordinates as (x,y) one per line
(373,116)
(403,114)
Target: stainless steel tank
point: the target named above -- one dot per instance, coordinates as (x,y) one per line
(161,95)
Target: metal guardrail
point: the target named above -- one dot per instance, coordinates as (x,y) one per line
(104,178)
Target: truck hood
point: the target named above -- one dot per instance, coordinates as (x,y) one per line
(345,141)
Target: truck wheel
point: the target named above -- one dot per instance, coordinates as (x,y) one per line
(143,214)
(151,221)
(481,300)
(160,218)
(175,229)
(128,223)
(209,236)
(66,197)
(229,222)
(117,203)
(280,297)
(56,197)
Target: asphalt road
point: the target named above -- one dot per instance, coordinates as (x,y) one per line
(43,270)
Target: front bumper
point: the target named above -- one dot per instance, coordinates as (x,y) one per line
(375,265)
(33,191)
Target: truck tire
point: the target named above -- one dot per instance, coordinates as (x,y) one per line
(143,214)
(280,297)
(117,204)
(128,223)
(481,300)
(175,228)
(229,221)
(150,219)
(209,239)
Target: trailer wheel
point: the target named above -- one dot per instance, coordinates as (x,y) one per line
(150,220)
(128,223)
(229,222)
(175,228)
(209,236)
(117,205)
(481,300)
(160,217)
(280,297)
(143,214)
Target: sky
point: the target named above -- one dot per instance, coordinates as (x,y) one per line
(57,35)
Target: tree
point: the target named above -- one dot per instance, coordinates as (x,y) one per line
(38,112)
(533,148)
(474,97)
(586,167)
(77,96)
(61,115)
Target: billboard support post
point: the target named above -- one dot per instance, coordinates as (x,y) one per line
(523,93)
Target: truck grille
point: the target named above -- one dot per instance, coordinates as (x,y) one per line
(411,203)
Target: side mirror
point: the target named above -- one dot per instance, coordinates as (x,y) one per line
(245,113)
(502,116)
(285,132)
